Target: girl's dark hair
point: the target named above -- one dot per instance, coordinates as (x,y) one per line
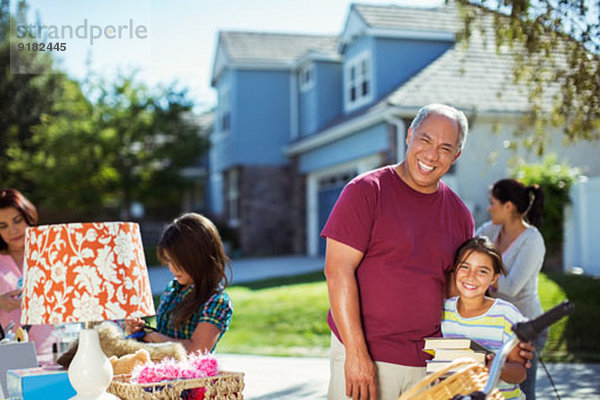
(528,200)
(480,244)
(14,198)
(192,243)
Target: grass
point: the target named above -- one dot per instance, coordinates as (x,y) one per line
(281,317)
(286,316)
(577,338)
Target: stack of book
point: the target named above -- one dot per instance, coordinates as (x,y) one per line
(446,350)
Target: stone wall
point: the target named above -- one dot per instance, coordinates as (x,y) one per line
(266,218)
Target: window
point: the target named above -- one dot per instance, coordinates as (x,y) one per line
(307,76)
(233,197)
(224,121)
(358,81)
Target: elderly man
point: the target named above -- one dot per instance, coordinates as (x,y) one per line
(391,238)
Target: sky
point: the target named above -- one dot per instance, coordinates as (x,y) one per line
(173,41)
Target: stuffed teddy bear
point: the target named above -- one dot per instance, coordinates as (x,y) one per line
(113,343)
(126,363)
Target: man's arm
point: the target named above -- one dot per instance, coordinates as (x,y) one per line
(341,262)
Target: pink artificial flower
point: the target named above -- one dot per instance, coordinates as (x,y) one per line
(198,366)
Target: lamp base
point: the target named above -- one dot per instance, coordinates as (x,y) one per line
(90,371)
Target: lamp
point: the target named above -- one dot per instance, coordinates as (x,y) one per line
(85,272)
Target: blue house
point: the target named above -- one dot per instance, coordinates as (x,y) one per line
(300,115)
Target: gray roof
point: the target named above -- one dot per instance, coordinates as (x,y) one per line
(475,78)
(274,47)
(393,16)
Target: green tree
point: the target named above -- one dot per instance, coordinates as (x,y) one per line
(95,158)
(149,136)
(24,98)
(64,158)
(556,47)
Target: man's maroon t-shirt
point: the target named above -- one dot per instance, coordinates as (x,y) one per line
(408,239)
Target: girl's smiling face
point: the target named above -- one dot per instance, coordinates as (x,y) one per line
(475,274)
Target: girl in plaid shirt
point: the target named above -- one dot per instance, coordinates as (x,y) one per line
(194,309)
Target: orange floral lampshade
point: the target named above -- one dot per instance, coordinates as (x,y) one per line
(84,272)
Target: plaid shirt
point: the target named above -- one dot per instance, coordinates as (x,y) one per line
(217,310)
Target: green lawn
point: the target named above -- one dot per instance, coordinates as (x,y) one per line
(287,317)
(279,317)
(576,338)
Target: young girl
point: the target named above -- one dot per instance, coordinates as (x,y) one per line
(486,320)
(194,309)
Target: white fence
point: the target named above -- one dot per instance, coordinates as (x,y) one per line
(582,228)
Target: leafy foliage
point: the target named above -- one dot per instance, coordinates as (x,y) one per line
(129,144)
(556,180)
(24,97)
(556,47)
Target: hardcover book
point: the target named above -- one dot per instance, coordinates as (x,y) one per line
(446,350)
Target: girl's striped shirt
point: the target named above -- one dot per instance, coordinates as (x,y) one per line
(490,329)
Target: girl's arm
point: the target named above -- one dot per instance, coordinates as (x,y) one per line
(203,339)
(513,371)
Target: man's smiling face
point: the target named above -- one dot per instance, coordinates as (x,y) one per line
(432,149)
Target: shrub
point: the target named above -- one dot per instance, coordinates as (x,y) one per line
(556,180)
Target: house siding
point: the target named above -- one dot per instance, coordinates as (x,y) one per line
(360,144)
(222,146)
(323,102)
(309,109)
(395,61)
(260,126)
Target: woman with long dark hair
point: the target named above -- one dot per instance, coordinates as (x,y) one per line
(516,215)
(16,214)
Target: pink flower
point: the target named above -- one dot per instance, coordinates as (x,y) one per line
(198,366)
(206,363)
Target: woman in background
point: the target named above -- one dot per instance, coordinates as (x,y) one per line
(516,214)
(16,214)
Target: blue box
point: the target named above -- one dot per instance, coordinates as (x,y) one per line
(39,383)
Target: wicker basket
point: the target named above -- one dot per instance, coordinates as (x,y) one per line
(469,377)
(224,386)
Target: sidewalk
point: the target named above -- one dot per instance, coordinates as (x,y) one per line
(249,269)
(294,378)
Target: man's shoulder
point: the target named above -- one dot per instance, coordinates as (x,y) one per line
(371,179)
(374,175)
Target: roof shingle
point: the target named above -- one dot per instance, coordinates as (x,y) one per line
(477,78)
(274,47)
(443,18)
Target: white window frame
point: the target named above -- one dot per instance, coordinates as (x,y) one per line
(306,76)
(357,79)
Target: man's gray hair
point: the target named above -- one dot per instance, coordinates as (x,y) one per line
(446,111)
